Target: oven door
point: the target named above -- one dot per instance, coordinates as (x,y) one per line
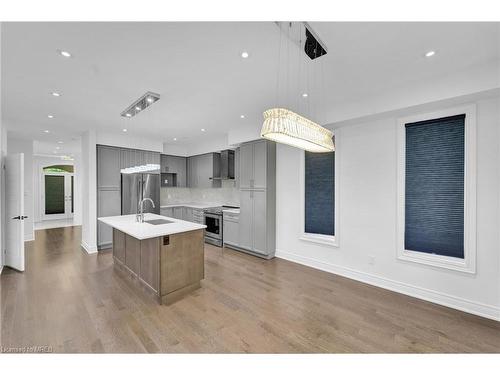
(214,225)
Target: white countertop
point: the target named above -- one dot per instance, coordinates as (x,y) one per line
(231,210)
(192,205)
(142,231)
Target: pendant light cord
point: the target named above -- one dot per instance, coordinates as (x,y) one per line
(279,71)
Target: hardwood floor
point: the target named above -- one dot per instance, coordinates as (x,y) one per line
(76,302)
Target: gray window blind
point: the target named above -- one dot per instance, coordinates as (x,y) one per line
(434,186)
(319,193)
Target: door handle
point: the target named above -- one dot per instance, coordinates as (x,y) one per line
(21,217)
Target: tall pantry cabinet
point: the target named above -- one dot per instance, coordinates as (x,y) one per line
(257,180)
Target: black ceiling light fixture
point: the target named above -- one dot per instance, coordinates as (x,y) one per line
(140,104)
(313,46)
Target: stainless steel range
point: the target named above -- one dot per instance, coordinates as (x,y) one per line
(213,221)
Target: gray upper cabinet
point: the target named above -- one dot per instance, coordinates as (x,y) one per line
(108,167)
(237,168)
(254,164)
(132,158)
(260,164)
(204,171)
(151,157)
(176,168)
(246,165)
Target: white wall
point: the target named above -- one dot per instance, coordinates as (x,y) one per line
(78,199)
(1,159)
(128,140)
(89,191)
(15,146)
(367,215)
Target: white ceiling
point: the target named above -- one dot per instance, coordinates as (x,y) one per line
(202,79)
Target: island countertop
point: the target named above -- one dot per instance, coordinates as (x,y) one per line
(128,224)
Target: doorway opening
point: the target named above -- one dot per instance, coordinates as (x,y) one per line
(57,191)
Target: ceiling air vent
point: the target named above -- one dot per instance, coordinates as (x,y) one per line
(140,104)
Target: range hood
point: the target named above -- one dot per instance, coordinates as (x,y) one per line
(227,165)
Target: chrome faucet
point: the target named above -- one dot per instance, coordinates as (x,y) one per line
(139,217)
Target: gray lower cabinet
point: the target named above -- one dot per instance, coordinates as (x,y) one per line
(178,212)
(245,232)
(188,214)
(231,229)
(108,204)
(108,191)
(198,216)
(169,212)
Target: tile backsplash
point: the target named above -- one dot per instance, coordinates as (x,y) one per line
(227,194)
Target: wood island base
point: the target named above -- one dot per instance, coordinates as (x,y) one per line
(168,267)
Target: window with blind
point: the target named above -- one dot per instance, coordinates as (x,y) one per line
(434,186)
(319,193)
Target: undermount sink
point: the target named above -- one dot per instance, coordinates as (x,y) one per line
(158,221)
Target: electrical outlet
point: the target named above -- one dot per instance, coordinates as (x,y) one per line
(371,259)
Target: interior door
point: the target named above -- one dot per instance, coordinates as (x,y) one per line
(14,210)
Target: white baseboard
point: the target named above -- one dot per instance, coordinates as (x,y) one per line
(89,249)
(458,303)
(1,269)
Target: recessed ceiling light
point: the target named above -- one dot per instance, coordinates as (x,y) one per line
(55,152)
(58,148)
(124,130)
(242,116)
(202,130)
(50,116)
(128,115)
(65,53)
(46,131)
(55,94)
(60,142)
(150,99)
(304,95)
(138,108)
(175,139)
(245,54)
(430,53)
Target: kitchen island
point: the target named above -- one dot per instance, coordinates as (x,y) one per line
(162,254)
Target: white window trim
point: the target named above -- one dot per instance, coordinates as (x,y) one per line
(314,237)
(468,264)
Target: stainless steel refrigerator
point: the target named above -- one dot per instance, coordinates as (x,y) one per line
(136,186)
